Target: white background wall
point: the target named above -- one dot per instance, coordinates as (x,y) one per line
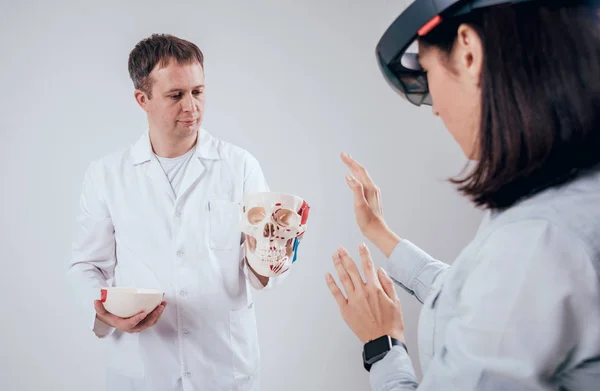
(285,80)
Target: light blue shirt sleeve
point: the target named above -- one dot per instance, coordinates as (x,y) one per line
(414,270)
(518,312)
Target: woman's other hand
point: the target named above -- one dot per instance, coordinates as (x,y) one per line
(371,309)
(368,207)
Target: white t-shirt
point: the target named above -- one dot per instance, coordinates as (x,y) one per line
(175,167)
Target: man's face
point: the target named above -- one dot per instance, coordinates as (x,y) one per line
(177,104)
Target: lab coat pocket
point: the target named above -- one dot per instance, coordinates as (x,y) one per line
(244,343)
(225,233)
(123,355)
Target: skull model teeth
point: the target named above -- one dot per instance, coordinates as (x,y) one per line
(271,256)
(272,220)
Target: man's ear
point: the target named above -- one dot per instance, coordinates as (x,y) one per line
(142,99)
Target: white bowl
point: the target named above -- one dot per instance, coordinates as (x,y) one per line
(125,302)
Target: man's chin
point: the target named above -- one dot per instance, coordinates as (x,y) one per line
(185,131)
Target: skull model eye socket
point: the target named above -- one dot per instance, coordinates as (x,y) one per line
(256,215)
(284,217)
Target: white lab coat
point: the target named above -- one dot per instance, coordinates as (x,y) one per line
(134,232)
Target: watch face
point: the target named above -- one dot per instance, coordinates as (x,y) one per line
(377,347)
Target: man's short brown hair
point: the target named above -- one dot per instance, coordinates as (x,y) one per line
(159,49)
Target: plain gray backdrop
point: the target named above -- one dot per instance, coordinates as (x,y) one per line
(293,82)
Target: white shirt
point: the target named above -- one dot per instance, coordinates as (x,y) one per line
(134,231)
(175,168)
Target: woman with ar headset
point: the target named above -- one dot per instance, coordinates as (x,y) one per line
(517,84)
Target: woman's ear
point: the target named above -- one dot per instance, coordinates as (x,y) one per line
(469,53)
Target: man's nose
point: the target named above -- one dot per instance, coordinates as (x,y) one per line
(187,103)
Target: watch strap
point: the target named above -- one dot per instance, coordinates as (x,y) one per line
(394,342)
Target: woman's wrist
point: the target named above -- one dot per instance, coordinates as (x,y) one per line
(384,239)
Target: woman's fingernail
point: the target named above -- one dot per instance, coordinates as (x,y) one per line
(336,255)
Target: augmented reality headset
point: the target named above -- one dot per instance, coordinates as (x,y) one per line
(396,53)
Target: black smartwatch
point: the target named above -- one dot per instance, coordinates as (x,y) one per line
(376,350)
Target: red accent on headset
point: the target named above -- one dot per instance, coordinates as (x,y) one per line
(103,295)
(303,211)
(427,27)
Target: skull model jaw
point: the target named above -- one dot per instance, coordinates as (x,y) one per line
(271,221)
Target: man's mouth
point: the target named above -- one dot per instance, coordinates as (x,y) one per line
(187,122)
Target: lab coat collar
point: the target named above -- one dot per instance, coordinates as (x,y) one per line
(207,148)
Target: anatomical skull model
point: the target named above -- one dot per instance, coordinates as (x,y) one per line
(271,222)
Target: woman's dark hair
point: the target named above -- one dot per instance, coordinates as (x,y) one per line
(540,123)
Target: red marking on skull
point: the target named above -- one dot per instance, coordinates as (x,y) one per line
(303,211)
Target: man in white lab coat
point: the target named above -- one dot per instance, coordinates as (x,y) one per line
(163,214)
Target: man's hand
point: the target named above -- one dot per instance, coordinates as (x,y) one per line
(263,280)
(134,324)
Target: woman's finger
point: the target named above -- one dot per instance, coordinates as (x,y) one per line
(367,264)
(351,268)
(335,291)
(343,275)
(388,285)
(360,201)
(359,171)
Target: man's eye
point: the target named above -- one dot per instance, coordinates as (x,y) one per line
(178,96)
(197,92)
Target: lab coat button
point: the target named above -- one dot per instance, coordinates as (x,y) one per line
(183,293)
(178,214)
(187,374)
(185,332)
(179,253)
